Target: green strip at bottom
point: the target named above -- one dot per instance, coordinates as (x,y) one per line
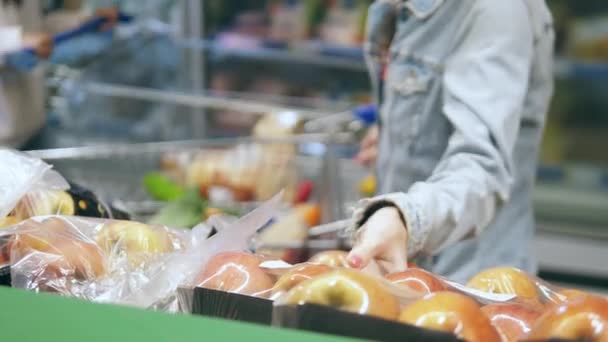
(26,317)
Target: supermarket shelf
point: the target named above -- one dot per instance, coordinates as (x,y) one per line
(580,211)
(321,55)
(570,254)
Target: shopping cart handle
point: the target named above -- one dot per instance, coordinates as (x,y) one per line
(92,25)
(367,114)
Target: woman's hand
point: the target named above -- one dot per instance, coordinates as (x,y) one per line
(42,43)
(383,238)
(369,147)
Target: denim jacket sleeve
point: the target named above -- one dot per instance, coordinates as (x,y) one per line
(484,84)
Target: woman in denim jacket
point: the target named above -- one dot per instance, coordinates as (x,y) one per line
(463,107)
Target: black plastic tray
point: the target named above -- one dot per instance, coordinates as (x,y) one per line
(232,306)
(327,320)
(5,276)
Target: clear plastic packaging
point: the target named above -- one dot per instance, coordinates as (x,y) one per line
(29,187)
(501,304)
(247,172)
(232,236)
(93,259)
(222,261)
(21,175)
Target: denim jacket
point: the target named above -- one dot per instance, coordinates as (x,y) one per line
(463,106)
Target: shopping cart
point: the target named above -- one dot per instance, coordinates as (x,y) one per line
(115,174)
(141,89)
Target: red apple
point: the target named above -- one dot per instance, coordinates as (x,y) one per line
(296,275)
(418,280)
(330,258)
(506,280)
(346,289)
(236,272)
(452,313)
(583,318)
(512,320)
(63,252)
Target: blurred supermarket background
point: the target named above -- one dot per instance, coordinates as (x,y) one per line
(199,69)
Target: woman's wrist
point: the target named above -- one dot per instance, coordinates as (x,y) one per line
(379,205)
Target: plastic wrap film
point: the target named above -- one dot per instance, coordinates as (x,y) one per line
(500,304)
(223,262)
(99,260)
(20,175)
(232,237)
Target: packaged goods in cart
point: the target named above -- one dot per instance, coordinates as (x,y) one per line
(247,172)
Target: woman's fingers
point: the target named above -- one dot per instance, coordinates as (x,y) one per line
(367,156)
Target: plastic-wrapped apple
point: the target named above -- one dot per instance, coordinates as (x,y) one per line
(236,272)
(566,295)
(330,258)
(9,221)
(62,251)
(296,275)
(41,203)
(418,280)
(512,320)
(453,313)
(346,289)
(581,319)
(506,280)
(138,240)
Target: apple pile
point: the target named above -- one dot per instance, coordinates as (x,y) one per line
(53,252)
(537,312)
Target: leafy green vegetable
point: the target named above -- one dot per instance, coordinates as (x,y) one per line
(161,188)
(185,211)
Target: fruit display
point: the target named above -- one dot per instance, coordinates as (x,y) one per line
(452,313)
(93,259)
(296,275)
(330,258)
(581,319)
(418,280)
(236,272)
(348,290)
(415,297)
(513,321)
(506,280)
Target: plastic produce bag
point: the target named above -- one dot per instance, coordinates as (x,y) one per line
(182,269)
(21,174)
(93,259)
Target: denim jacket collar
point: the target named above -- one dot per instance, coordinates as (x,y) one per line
(423,9)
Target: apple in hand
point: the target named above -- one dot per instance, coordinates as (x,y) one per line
(330,258)
(346,289)
(453,313)
(512,320)
(236,272)
(296,275)
(418,280)
(583,318)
